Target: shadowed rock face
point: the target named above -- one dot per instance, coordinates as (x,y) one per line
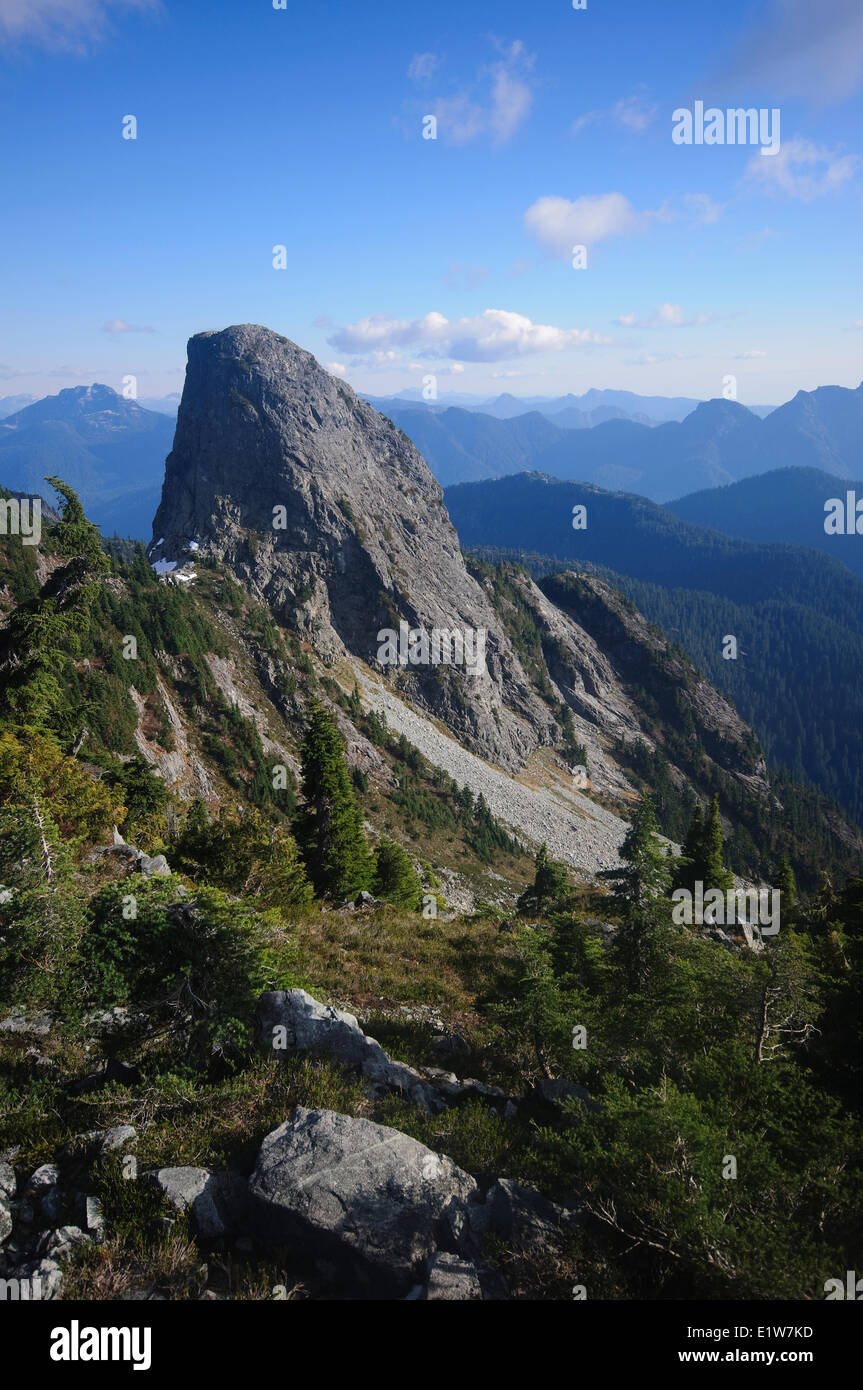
(366,540)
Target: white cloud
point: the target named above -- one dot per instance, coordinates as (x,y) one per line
(635,113)
(422,67)
(666,316)
(494,335)
(703,207)
(510,104)
(802,170)
(494,105)
(749,356)
(805,50)
(559,224)
(583,122)
(337,368)
(63,24)
(121,326)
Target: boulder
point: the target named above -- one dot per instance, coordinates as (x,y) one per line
(8,1181)
(452,1279)
(60,1244)
(217,1202)
(109,1140)
(520,1216)
(44,1279)
(157,867)
(368,1199)
(291,1020)
(95,1217)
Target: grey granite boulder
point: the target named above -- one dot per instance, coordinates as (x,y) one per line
(217,1202)
(291,1020)
(451,1279)
(519,1216)
(368,1201)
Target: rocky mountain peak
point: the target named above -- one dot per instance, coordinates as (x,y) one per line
(324,508)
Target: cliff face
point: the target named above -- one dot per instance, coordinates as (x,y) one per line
(322,507)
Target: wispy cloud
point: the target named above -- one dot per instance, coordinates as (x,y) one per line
(703,208)
(802,169)
(114,326)
(494,335)
(494,105)
(635,113)
(749,356)
(74,25)
(666,316)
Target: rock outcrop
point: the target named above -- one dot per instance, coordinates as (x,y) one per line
(367,1201)
(361,541)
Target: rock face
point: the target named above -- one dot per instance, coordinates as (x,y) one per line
(368,1199)
(363,542)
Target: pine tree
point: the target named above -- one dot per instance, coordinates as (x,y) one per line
(639,898)
(395,877)
(329,826)
(689,867)
(550,884)
(715,874)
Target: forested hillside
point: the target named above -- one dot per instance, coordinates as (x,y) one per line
(646,1109)
(797,615)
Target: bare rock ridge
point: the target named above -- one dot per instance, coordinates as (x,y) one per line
(364,540)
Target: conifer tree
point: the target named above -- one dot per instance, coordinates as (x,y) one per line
(715,873)
(395,877)
(329,826)
(550,883)
(689,867)
(639,897)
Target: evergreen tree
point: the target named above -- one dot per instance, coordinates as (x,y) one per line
(395,878)
(45,633)
(550,884)
(715,874)
(329,826)
(639,897)
(689,867)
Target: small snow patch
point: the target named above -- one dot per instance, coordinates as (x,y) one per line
(164,566)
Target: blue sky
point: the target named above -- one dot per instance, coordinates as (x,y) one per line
(302,127)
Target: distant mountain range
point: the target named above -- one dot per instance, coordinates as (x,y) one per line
(719,442)
(796,613)
(10,404)
(110,450)
(786,504)
(570,411)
